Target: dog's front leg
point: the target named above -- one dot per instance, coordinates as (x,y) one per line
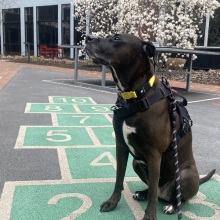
(153,162)
(121,158)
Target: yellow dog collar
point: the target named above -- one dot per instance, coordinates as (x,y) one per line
(133,94)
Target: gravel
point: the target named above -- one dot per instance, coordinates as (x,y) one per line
(211,77)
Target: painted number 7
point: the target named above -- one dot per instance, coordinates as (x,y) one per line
(58,136)
(84,118)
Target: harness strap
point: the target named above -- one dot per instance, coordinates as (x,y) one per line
(125,110)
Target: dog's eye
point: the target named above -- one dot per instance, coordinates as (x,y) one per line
(117,38)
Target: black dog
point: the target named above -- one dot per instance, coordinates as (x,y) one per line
(142,124)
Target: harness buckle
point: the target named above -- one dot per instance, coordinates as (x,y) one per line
(143,104)
(115,107)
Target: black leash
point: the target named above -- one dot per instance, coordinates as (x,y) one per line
(174,144)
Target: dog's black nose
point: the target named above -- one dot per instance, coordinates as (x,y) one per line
(90,38)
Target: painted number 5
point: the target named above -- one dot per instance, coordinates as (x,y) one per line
(58,136)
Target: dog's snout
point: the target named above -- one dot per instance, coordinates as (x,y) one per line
(90,38)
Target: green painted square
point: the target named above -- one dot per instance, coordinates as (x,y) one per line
(99,108)
(56,136)
(105,135)
(51,108)
(82,120)
(55,202)
(206,204)
(73,100)
(95,163)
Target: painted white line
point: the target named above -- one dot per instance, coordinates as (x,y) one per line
(67,182)
(133,205)
(67,113)
(65,147)
(50,99)
(93,137)
(54,119)
(64,165)
(72,126)
(20,138)
(203,100)
(6,200)
(27,108)
(92,100)
(76,108)
(108,117)
(97,90)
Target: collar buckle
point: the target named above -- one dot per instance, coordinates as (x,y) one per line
(129,95)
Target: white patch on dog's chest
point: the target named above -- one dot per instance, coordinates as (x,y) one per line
(127,130)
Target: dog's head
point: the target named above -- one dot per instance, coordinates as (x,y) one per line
(117,48)
(124,53)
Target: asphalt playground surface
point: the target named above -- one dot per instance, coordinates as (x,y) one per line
(57,152)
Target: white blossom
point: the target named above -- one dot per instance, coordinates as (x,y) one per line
(170,22)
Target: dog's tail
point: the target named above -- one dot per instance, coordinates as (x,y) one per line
(207,177)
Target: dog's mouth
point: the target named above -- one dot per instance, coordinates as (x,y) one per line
(96,57)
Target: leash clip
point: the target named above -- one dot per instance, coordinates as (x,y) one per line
(115,108)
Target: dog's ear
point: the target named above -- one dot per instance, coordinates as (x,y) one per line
(149,48)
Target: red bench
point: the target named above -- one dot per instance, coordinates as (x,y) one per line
(51,52)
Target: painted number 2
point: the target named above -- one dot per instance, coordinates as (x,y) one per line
(87,203)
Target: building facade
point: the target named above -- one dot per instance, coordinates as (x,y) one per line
(39,22)
(52,23)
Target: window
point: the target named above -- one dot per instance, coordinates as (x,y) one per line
(66,28)
(12,31)
(47,25)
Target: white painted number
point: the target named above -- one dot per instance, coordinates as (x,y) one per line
(100,109)
(201,199)
(87,203)
(60,135)
(111,159)
(53,108)
(84,118)
(79,101)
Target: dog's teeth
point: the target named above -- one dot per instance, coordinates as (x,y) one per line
(169,209)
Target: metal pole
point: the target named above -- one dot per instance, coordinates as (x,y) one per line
(76,66)
(103,75)
(29,60)
(188,80)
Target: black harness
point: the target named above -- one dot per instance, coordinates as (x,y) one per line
(123,109)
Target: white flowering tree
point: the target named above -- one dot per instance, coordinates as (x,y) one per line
(169,22)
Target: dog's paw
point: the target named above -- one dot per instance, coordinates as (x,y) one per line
(169,209)
(140,195)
